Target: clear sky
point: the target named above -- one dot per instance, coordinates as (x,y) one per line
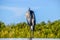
(13,11)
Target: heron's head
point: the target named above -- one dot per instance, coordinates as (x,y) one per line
(29,9)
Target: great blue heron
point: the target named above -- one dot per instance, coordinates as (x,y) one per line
(30,17)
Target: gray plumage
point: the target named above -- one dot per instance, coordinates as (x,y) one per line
(30,17)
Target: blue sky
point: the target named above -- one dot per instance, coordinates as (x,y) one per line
(13,11)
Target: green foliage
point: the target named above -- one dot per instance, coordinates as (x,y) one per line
(22,30)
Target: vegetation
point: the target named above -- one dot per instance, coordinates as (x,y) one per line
(22,30)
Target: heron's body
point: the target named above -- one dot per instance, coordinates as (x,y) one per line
(30,16)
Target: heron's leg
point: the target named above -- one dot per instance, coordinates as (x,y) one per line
(32,32)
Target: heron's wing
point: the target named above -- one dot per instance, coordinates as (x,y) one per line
(33,19)
(27,15)
(28,18)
